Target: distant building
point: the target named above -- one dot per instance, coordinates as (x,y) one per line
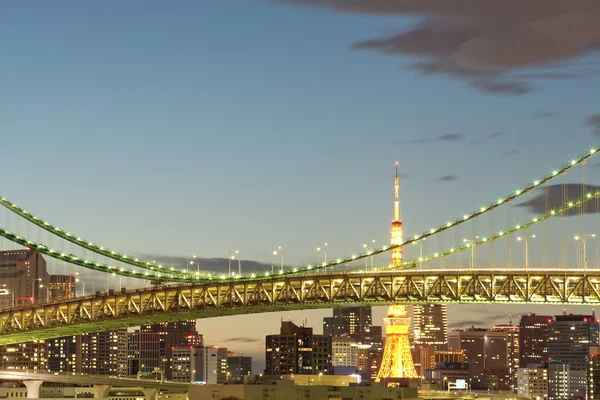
(23,277)
(534,334)
(486,352)
(431,357)
(238,367)
(30,356)
(222,364)
(532,382)
(344,352)
(429,328)
(143,353)
(62,287)
(105,353)
(328,326)
(566,383)
(355,322)
(195,364)
(64,354)
(512,336)
(296,350)
(594,377)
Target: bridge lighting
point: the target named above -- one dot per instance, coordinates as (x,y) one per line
(536,182)
(338,260)
(448,224)
(482,209)
(253,275)
(500,233)
(554,173)
(500,201)
(452,250)
(570,204)
(518,227)
(588,195)
(518,192)
(573,162)
(592,151)
(465,217)
(552,212)
(436,255)
(354,256)
(535,219)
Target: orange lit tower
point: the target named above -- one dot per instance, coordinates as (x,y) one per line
(397,359)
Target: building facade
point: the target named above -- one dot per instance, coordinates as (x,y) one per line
(296,350)
(23,277)
(105,353)
(534,334)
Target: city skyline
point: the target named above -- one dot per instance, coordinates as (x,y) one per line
(235,143)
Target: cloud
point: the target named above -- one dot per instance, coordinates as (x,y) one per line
(595,165)
(483,322)
(447,178)
(445,137)
(554,197)
(241,339)
(594,122)
(509,153)
(495,45)
(487,138)
(546,114)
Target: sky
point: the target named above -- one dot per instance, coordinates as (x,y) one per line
(197,128)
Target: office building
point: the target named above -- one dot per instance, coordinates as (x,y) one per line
(222,364)
(30,356)
(328,326)
(344,352)
(171,334)
(143,353)
(375,352)
(594,376)
(23,277)
(62,287)
(429,328)
(64,354)
(534,334)
(238,367)
(565,383)
(195,364)
(296,350)
(532,382)
(355,322)
(486,352)
(431,357)
(105,353)
(512,341)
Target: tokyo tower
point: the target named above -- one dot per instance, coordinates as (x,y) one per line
(397,359)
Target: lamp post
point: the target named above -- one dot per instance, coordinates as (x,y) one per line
(420,250)
(189,262)
(232,257)
(33,288)
(367,250)
(276,252)
(526,241)
(47,292)
(113,274)
(584,239)
(319,249)
(471,243)
(445,379)
(82,286)
(8,291)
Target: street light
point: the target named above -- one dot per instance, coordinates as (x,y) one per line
(113,274)
(368,249)
(471,243)
(584,239)
(47,292)
(189,262)
(82,286)
(33,288)
(526,241)
(275,252)
(420,250)
(324,249)
(232,257)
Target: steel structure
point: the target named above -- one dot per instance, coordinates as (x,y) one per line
(397,360)
(204,300)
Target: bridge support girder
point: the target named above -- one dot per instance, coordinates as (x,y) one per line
(33,388)
(150,393)
(101,391)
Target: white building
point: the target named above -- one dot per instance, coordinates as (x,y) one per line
(195,364)
(532,382)
(344,352)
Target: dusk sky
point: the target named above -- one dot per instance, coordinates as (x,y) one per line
(200,127)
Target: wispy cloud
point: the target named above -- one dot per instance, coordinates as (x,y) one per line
(593,121)
(445,137)
(204,264)
(494,45)
(553,197)
(241,339)
(483,322)
(546,114)
(447,178)
(509,153)
(487,138)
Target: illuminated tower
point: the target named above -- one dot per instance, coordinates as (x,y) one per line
(396,225)
(397,361)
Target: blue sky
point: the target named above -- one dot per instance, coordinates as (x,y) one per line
(201,127)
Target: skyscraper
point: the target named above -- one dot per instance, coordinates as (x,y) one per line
(512,333)
(64,354)
(23,274)
(534,333)
(353,321)
(429,329)
(296,350)
(104,353)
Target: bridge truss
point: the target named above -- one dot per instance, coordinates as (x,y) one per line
(204,300)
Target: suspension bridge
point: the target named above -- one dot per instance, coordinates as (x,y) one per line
(437,276)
